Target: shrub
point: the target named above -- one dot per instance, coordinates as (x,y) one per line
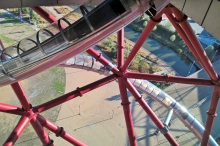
(179,51)
(145,23)
(173,37)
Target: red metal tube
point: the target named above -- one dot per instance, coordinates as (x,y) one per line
(167,78)
(41,132)
(211,114)
(16,133)
(207,65)
(59,131)
(149,111)
(127,113)
(74,94)
(183,35)
(151,24)
(11,109)
(120,47)
(22,97)
(102,60)
(48,17)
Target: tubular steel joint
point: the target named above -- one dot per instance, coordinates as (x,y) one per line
(51,143)
(110,66)
(182,20)
(60,131)
(125,104)
(155,20)
(98,57)
(139,98)
(164,130)
(209,114)
(80,93)
(167,78)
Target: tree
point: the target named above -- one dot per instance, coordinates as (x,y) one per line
(24,10)
(209,51)
(179,51)
(145,23)
(173,37)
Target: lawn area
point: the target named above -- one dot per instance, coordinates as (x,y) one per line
(39,88)
(12,30)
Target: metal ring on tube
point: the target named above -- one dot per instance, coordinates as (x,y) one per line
(84,12)
(61,30)
(18,48)
(3,68)
(38,39)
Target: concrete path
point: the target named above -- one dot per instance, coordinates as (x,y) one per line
(97,117)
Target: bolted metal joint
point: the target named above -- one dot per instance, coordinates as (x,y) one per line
(139,98)
(60,131)
(110,66)
(125,104)
(51,143)
(164,130)
(80,93)
(156,20)
(209,114)
(182,20)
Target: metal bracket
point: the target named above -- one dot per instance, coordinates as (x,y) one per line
(164,130)
(110,66)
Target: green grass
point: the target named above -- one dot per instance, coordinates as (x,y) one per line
(7,41)
(40,88)
(58,86)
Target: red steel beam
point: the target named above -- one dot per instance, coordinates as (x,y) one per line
(48,17)
(102,60)
(74,94)
(206,63)
(183,36)
(127,113)
(41,132)
(59,131)
(149,112)
(167,78)
(147,30)
(120,47)
(22,97)
(16,133)
(211,114)
(11,109)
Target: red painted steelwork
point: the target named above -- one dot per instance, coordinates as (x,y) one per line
(21,95)
(102,60)
(16,133)
(211,114)
(11,109)
(120,47)
(183,35)
(207,65)
(127,113)
(59,131)
(149,27)
(48,17)
(74,94)
(167,78)
(41,132)
(149,111)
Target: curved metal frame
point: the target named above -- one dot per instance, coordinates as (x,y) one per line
(61,29)
(84,11)
(18,48)
(29,113)
(3,68)
(38,39)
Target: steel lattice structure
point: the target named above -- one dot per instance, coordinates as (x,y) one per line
(32,115)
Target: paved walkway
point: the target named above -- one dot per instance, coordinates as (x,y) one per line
(97,117)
